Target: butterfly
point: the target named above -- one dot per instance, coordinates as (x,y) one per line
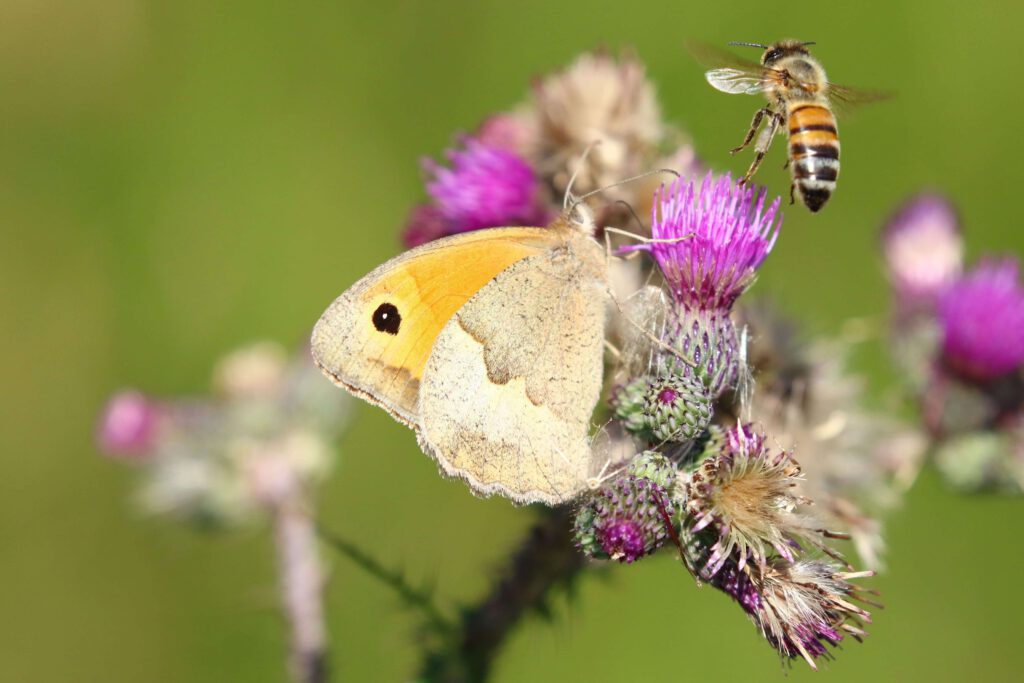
(489,344)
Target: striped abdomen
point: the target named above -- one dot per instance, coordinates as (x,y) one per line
(813,152)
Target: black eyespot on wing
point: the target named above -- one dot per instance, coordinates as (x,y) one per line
(387,319)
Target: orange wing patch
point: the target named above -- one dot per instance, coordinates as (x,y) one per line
(379,353)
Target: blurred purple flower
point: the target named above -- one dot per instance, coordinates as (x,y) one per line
(426,223)
(723,233)
(982,317)
(508,131)
(486,187)
(923,250)
(128,426)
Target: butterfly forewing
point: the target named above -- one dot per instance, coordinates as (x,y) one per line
(509,389)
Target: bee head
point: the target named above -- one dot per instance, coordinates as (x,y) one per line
(784,48)
(776,51)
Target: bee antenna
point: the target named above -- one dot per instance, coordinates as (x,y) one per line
(809,42)
(741,44)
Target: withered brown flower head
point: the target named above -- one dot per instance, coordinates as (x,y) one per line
(855,460)
(803,606)
(748,493)
(597,99)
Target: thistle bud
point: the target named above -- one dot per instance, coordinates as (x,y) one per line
(628,402)
(655,467)
(677,408)
(624,520)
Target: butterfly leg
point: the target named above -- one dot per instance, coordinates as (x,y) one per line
(754,125)
(764,142)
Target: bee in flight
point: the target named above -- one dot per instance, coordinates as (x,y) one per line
(799,97)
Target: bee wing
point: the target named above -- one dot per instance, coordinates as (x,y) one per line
(736,81)
(731,74)
(846,98)
(711,56)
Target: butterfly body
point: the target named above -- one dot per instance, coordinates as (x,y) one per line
(489,344)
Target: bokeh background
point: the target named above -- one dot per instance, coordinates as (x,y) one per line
(179,178)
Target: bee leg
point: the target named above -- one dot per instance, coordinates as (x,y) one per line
(785,165)
(758,115)
(792,190)
(764,142)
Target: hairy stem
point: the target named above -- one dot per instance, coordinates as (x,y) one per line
(417,598)
(301,592)
(546,560)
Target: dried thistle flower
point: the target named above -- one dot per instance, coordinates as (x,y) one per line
(856,462)
(597,99)
(800,607)
(747,494)
(257,371)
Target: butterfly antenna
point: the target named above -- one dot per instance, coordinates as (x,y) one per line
(576,172)
(579,200)
(741,44)
(632,211)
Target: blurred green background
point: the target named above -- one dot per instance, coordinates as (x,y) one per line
(179,178)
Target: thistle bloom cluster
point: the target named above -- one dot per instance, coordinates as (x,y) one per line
(263,439)
(708,240)
(734,507)
(723,494)
(959,334)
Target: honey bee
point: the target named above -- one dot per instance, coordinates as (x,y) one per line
(800,98)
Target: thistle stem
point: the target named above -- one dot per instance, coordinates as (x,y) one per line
(546,560)
(417,598)
(301,591)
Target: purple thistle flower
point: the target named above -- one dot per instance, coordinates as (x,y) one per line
(982,317)
(723,233)
(923,251)
(128,426)
(486,187)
